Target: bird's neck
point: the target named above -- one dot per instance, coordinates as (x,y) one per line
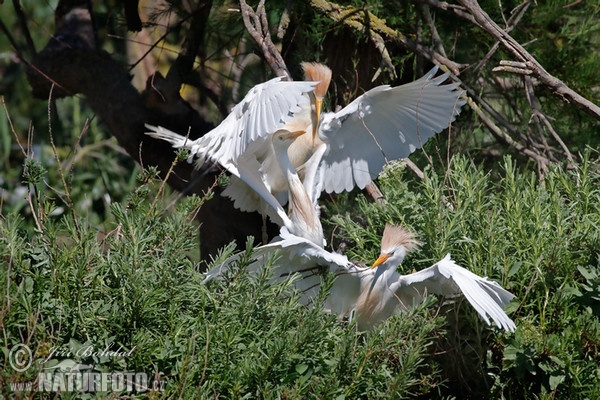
(377,301)
(303,214)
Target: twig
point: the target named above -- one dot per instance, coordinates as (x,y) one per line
(22,18)
(68,200)
(12,126)
(163,183)
(375,193)
(386,60)
(414,168)
(351,18)
(37,214)
(558,87)
(425,14)
(538,116)
(257,26)
(504,137)
(453,8)
(11,40)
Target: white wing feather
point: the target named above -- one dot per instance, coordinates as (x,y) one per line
(247,129)
(307,261)
(446,278)
(382,125)
(266,108)
(304,259)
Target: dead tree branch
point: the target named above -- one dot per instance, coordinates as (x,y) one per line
(258,27)
(555,85)
(366,21)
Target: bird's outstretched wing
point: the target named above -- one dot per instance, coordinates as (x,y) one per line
(306,262)
(266,108)
(446,278)
(384,124)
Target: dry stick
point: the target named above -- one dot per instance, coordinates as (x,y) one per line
(538,116)
(386,60)
(163,183)
(69,200)
(535,116)
(484,110)
(257,26)
(513,21)
(375,193)
(425,14)
(22,18)
(503,136)
(414,168)
(516,17)
(351,18)
(480,18)
(554,84)
(507,95)
(37,218)
(12,127)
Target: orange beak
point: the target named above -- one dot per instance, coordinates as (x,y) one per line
(295,134)
(289,134)
(318,106)
(382,258)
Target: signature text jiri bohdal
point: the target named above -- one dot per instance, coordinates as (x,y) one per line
(110,350)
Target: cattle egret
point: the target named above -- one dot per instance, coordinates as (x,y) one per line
(242,142)
(346,149)
(384,124)
(373,294)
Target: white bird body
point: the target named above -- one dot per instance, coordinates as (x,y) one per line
(374,294)
(347,149)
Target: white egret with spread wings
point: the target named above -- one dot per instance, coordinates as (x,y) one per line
(340,151)
(373,294)
(242,142)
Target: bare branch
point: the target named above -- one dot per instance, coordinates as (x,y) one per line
(375,193)
(538,116)
(558,87)
(425,15)
(22,18)
(507,139)
(513,21)
(351,18)
(257,26)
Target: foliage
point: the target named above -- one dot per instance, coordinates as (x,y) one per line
(90,257)
(136,287)
(540,241)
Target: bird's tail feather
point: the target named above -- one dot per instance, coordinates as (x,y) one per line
(176,140)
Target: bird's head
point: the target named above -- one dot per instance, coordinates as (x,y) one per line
(283,138)
(316,72)
(396,242)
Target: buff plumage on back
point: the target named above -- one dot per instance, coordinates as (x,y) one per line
(395,236)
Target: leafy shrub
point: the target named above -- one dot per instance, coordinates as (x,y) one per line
(135,285)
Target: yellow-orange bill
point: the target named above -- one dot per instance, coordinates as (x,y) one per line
(295,134)
(318,106)
(382,258)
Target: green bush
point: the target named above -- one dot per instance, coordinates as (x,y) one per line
(135,286)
